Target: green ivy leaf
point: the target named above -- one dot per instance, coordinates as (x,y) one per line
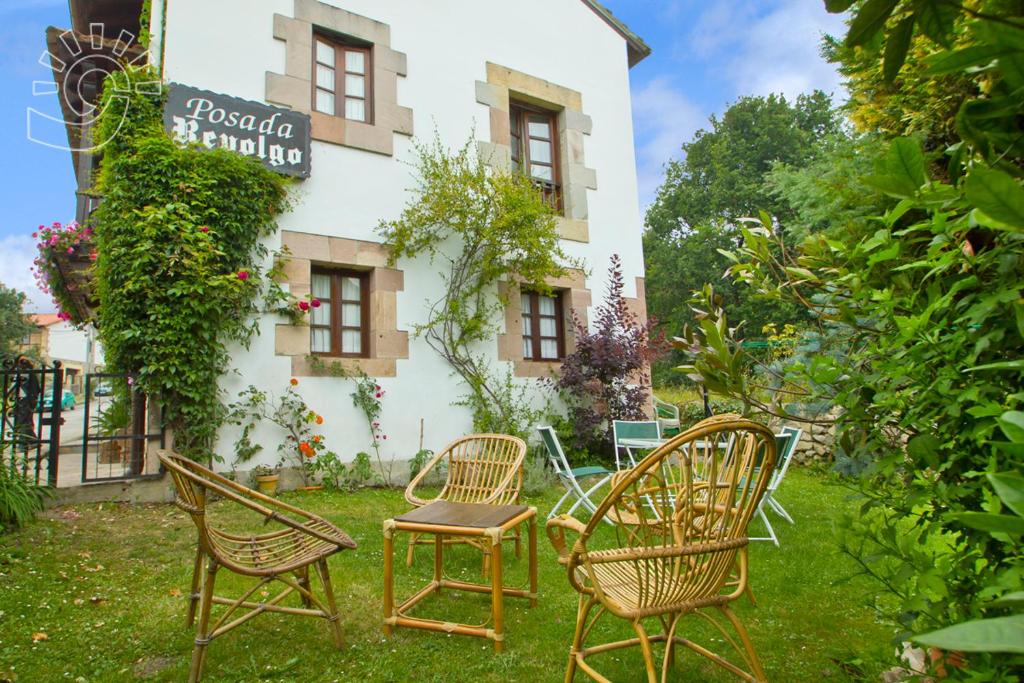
(837,6)
(986,521)
(1012,424)
(1014,599)
(936,19)
(896,46)
(1001,634)
(869,20)
(958,60)
(997,195)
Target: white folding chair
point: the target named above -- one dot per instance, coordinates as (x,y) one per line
(570,476)
(787,442)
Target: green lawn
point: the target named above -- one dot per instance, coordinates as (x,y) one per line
(104,583)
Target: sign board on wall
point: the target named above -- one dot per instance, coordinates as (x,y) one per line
(280,138)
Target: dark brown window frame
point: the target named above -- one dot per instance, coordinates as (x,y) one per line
(550,190)
(535,316)
(336,327)
(341,73)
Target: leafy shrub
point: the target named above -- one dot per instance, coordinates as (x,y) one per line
(20,499)
(606,377)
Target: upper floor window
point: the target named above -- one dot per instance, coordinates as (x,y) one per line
(339,326)
(535,149)
(341,79)
(543,327)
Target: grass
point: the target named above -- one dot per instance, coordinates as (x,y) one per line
(95,593)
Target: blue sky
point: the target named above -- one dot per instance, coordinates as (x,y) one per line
(706,54)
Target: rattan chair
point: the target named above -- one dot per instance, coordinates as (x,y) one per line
(283,555)
(682,516)
(480,468)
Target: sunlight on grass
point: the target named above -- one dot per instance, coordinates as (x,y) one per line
(105,585)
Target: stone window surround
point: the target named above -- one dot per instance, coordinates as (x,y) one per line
(575,297)
(387,343)
(572,286)
(294,88)
(504,85)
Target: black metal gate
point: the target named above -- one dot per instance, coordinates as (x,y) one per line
(117,429)
(30,422)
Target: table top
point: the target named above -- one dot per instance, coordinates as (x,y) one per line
(469,515)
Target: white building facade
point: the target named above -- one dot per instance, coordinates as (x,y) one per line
(544,88)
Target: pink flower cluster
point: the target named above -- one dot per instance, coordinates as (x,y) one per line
(56,239)
(378,434)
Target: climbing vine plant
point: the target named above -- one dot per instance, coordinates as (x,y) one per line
(481,225)
(179,243)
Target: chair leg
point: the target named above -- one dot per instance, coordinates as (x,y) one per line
(412,546)
(202,629)
(325,578)
(670,647)
(768,525)
(645,648)
(558,505)
(781,510)
(193,596)
(519,544)
(757,672)
(582,612)
(302,578)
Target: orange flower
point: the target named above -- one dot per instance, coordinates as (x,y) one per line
(317,438)
(295,382)
(319,419)
(306,449)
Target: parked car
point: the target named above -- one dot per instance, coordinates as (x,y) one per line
(103,389)
(67,400)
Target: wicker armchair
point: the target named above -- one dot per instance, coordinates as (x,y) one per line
(283,555)
(480,468)
(681,531)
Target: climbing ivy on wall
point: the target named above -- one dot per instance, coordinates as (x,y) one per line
(480,226)
(179,239)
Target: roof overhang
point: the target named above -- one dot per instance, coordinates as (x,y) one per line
(78,85)
(636,48)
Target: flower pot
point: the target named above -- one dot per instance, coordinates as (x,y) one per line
(267,483)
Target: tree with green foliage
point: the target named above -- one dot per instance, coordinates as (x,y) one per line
(924,299)
(721,179)
(484,226)
(14,324)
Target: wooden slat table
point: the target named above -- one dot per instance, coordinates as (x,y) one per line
(488,523)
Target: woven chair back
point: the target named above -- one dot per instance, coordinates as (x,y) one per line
(479,465)
(682,513)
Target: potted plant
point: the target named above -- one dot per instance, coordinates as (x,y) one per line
(266,479)
(112,422)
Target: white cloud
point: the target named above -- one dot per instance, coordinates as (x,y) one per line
(667,119)
(778,50)
(16,254)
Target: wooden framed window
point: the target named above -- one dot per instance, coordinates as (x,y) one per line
(340,325)
(342,79)
(535,149)
(543,327)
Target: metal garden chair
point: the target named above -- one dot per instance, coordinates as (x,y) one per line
(648,430)
(283,555)
(571,476)
(787,441)
(667,415)
(654,569)
(480,468)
